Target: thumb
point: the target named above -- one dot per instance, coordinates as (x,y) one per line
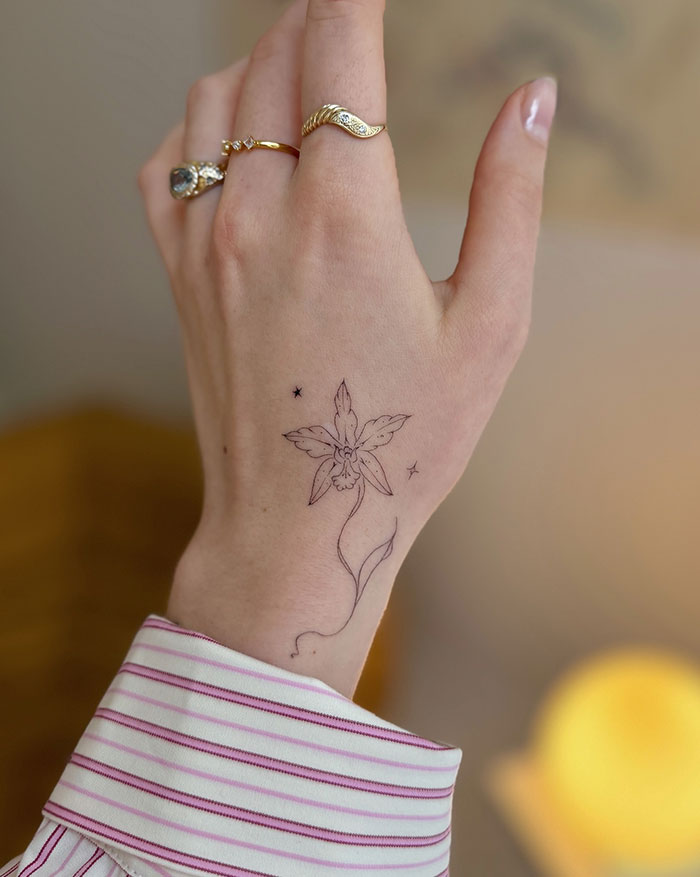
(496,263)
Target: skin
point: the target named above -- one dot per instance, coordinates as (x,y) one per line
(302,273)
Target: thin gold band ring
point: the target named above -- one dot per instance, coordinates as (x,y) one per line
(228,147)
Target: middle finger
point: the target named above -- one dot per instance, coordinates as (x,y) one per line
(269,109)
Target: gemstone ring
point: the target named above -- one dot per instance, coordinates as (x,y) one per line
(191,178)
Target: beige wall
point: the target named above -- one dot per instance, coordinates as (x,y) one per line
(575,525)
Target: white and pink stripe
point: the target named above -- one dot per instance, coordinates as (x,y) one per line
(202,760)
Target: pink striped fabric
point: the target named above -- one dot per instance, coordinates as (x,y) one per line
(201,760)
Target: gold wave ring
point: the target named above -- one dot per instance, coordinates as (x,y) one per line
(334,114)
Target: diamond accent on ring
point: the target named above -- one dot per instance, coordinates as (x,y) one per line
(249,143)
(237,145)
(352,123)
(211,174)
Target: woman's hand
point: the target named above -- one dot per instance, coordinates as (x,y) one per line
(338,392)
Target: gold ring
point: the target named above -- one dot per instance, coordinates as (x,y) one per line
(334,114)
(228,147)
(191,178)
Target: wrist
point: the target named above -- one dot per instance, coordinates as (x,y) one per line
(279,592)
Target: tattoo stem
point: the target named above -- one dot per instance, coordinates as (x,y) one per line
(358,503)
(377,556)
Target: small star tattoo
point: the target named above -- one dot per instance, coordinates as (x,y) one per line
(412,470)
(297,392)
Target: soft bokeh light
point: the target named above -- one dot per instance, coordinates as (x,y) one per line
(617,745)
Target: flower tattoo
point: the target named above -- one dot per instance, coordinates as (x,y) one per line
(348,462)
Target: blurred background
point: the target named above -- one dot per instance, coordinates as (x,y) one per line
(575,528)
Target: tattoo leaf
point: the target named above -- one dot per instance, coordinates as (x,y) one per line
(315,440)
(372,469)
(372,561)
(322,480)
(380,431)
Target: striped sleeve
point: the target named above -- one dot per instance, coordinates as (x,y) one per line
(201,760)
(57,850)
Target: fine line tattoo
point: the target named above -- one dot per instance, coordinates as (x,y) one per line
(347,462)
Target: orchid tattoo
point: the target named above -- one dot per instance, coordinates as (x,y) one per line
(348,462)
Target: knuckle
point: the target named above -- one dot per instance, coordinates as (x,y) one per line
(204,91)
(147,175)
(224,233)
(268,46)
(232,238)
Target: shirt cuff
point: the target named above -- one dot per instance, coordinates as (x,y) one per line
(201,760)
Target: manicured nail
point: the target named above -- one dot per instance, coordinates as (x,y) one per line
(539,105)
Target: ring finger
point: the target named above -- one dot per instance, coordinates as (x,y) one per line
(269,109)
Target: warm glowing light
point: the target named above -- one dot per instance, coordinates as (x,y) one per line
(618,749)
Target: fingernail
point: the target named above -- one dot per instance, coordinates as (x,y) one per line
(538,108)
